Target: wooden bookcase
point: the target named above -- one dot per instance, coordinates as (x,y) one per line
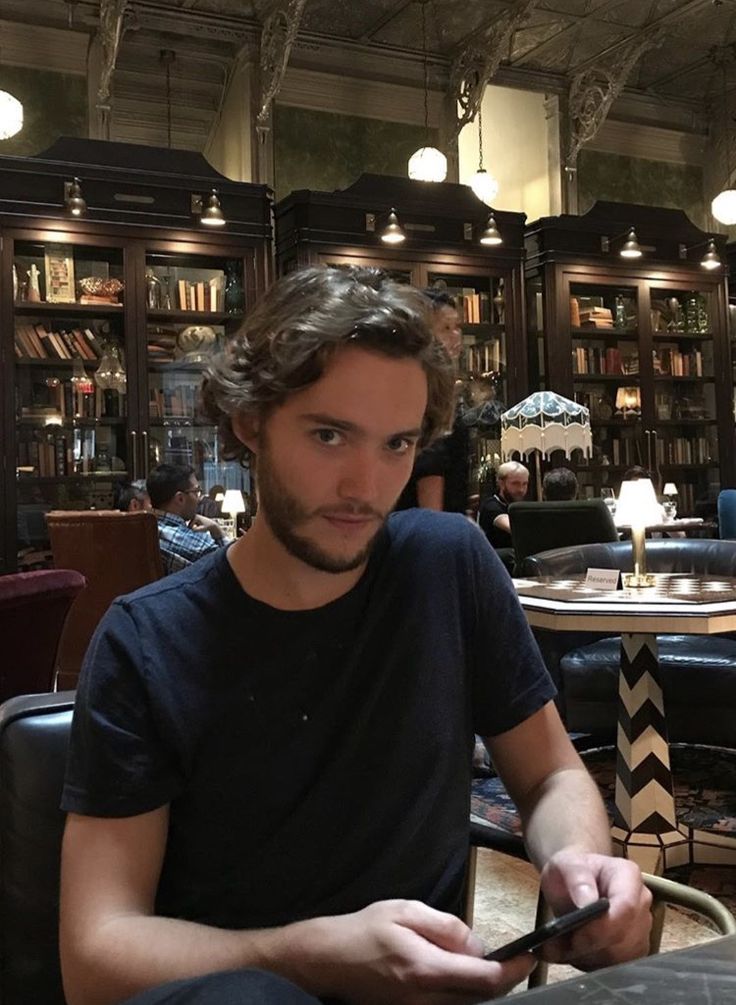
(442,223)
(642,341)
(101,354)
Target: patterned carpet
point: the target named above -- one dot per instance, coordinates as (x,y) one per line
(705,793)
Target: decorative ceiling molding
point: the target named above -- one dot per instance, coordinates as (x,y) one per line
(280,28)
(112,14)
(476,64)
(371,99)
(51,48)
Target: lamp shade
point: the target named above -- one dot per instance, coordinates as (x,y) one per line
(628,399)
(637,504)
(723,207)
(427,164)
(233,502)
(11,115)
(670,489)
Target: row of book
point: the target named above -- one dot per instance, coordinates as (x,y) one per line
(625,451)
(36,342)
(669,360)
(683,450)
(483,358)
(597,360)
(474,308)
(54,455)
(200,296)
(64,403)
(172,403)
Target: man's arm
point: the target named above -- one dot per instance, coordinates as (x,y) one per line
(113,946)
(568,838)
(502,522)
(431,492)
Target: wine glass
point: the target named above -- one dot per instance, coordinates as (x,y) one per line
(609,498)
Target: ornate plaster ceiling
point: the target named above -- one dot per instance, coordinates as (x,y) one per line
(558,39)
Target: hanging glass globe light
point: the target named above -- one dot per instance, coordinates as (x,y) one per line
(484,185)
(723,207)
(428,164)
(11,115)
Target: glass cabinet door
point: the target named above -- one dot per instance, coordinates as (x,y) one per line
(70,384)
(192,302)
(606,370)
(684,435)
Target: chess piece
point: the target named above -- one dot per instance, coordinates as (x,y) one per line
(34,292)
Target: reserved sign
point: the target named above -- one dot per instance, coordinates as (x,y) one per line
(603,579)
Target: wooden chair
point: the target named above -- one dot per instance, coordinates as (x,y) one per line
(117,553)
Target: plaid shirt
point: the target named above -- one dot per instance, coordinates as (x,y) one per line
(180,545)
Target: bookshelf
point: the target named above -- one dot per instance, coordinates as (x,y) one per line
(107,324)
(642,343)
(442,223)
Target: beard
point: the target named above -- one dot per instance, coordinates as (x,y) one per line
(284,514)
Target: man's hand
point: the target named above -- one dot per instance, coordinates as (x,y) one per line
(573,879)
(203,523)
(398,951)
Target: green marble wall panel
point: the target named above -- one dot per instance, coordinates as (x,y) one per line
(618,178)
(54,105)
(325,151)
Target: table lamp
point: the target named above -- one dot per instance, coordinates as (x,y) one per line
(638,509)
(628,401)
(233,503)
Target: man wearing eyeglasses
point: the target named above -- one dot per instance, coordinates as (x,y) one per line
(184,535)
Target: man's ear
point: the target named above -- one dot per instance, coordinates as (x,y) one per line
(246,427)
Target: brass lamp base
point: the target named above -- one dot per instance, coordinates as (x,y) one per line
(638,580)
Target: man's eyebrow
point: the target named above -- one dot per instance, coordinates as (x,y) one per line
(323,419)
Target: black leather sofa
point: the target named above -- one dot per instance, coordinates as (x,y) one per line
(698,672)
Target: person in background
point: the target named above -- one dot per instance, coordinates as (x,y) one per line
(270,764)
(133,497)
(513,484)
(559,484)
(183,534)
(439,479)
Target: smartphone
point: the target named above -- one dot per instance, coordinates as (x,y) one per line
(557,926)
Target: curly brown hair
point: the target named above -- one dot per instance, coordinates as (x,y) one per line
(302,320)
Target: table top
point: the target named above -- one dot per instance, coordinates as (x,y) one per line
(702,975)
(679,603)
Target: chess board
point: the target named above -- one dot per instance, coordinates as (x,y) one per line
(671,589)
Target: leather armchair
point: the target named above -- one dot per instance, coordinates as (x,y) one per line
(117,553)
(698,672)
(539,526)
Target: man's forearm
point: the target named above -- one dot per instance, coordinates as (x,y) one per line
(130,953)
(566,812)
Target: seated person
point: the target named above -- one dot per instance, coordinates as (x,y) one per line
(513,483)
(184,535)
(270,765)
(559,484)
(439,479)
(133,497)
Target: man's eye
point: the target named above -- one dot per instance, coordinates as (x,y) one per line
(330,437)
(400,445)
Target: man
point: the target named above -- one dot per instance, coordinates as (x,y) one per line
(184,535)
(559,485)
(513,483)
(134,497)
(439,479)
(270,758)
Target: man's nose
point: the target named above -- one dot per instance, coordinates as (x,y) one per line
(359,478)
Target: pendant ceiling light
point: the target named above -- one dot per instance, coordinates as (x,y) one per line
(723,206)
(483,184)
(427,163)
(11,115)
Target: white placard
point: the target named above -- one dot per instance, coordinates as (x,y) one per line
(602,579)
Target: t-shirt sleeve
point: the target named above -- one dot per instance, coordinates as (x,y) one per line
(433,460)
(510,680)
(118,764)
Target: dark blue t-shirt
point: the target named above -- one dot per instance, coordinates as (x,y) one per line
(314,761)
